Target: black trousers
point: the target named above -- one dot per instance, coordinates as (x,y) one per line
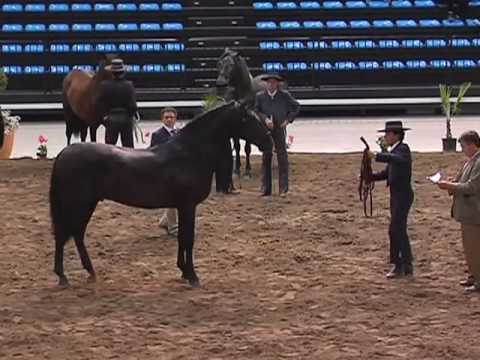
(126,135)
(224,169)
(400,249)
(278,136)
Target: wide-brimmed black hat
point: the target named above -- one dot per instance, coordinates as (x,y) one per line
(117,66)
(394,126)
(272,76)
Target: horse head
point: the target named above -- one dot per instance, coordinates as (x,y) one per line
(233,72)
(104,60)
(250,127)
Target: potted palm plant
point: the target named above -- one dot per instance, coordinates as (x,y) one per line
(450,108)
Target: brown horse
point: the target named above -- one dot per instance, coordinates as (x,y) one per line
(79,90)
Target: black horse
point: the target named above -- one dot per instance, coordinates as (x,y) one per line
(234,82)
(177,174)
(2,129)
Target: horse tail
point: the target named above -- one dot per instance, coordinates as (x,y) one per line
(73,122)
(57,213)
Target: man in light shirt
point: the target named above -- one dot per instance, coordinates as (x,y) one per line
(168,117)
(398,174)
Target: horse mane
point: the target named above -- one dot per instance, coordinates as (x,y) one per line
(199,121)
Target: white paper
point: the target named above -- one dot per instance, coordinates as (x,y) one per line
(436,177)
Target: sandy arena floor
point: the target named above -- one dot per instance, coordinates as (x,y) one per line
(299,278)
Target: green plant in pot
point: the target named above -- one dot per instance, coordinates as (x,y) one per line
(450,108)
(3,80)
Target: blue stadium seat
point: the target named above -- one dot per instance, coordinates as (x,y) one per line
(150,27)
(273,67)
(82,27)
(83,67)
(435,43)
(429,23)
(262,5)
(106,47)
(12,8)
(401,4)
(355,4)
(149,68)
(126,7)
(337,24)
(266,25)
(440,63)
(12,48)
(461,43)
(341,44)
(293,45)
(127,27)
(172,7)
(151,47)
(297,66)
(104,27)
(104,7)
(129,47)
(269,45)
(403,23)
(313,24)
(345,65)
(81,7)
(476,42)
(359,24)
(412,43)
(58,27)
(34,48)
(464,63)
(393,64)
(452,22)
(59,69)
(311,5)
(368,65)
(365,44)
(174,68)
(384,23)
(332,4)
(35,27)
(58,7)
(149,7)
(474,3)
(133,68)
(59,48)
(12,69)
(424,3)
(35,8)
(173,46)
(388,44)
(317,45)
(322,66)
(290,25)
(172,26)
(378,4)
(286,5)
(81,48)
(12,27)
(416,64)
(34,69)
(473,22)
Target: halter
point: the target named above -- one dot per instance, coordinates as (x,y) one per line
(366,184)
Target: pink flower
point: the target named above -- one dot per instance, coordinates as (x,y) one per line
(147,134)
(42,139)
(290,139)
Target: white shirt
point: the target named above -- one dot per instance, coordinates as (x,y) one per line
(272,94)
(394,145)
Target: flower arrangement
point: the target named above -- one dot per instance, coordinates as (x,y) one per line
(11,122)
(451,106)
(42,149)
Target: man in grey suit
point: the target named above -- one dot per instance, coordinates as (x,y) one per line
(278,109)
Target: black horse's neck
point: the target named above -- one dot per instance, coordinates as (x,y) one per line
(240,79)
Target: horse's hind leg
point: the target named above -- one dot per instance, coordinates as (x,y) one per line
(186,238)
(61,238)
(248,167)
(83,133)
(238,164)
(93,133)
(79,236)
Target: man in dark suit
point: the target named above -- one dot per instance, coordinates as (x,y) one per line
(398,174)
(116,101)
(277,108)
(166,132)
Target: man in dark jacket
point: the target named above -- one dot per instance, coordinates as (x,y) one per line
(169,117)
(398,174)
(116,101)
(278,109)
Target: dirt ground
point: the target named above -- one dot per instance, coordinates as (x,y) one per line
(300,277)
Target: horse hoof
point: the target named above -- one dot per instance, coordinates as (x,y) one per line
(92,279)
(194,283)
(63,283)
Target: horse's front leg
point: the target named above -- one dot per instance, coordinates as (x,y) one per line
(248,167)
(186,238)
(238,164)
(93,132)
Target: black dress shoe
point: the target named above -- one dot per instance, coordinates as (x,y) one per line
(396,272)
(408,269)
(266,193)
(469,281)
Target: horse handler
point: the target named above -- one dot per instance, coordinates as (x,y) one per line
(116,102)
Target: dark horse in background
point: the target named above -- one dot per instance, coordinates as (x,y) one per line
(177,174)
(2,129)
(234,82)
(79,91)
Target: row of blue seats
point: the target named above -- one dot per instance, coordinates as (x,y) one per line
(367,44)
(87,47)
(335,4)
(365,24)
(84,27)
(371,65)
(87,7)
(62,69)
